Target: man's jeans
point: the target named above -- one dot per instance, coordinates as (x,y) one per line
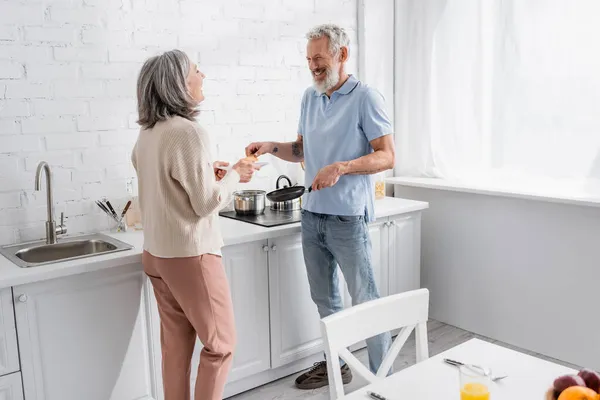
(331,240)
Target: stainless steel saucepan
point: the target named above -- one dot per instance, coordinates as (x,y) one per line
(249,202)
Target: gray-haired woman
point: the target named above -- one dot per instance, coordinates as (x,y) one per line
(180,194)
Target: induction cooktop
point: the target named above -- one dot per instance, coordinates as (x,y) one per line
(269,219)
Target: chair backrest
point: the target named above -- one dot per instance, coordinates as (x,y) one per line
(408,311)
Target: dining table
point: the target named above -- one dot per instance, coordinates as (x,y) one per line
(527,377)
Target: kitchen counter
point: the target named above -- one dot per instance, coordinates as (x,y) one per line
(109,321)
(234,232)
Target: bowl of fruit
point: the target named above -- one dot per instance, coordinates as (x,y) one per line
(583,386)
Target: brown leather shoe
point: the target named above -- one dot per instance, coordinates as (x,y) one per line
(316,377)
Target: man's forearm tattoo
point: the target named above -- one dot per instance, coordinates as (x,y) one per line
(297,150)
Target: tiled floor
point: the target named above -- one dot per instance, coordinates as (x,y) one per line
(441,338)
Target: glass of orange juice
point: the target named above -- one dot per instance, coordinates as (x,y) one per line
(474,383)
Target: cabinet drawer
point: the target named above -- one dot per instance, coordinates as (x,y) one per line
(11,387)
(9,352)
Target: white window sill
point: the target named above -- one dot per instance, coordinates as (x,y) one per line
(565,192)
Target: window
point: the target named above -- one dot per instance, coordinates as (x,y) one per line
(499,87)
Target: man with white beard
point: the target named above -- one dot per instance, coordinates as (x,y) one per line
(344,136)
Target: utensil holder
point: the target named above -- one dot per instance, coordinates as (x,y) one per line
(117,226)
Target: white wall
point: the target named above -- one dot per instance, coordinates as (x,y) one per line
(520,271)
(376,46)
(67,90)
(376,41)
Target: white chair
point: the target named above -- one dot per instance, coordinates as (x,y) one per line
(408,310)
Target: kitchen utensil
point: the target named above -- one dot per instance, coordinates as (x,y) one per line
(121,225)
(289,205)
(376,396)
(103,208)
(285,205)
(485,370)
(249,202)
(112,210)
(125,209)
(281,177)
(288,193)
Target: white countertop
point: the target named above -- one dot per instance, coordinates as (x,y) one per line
(581,193)
(234,232)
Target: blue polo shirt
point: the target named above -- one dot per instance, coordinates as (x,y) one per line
(341,128)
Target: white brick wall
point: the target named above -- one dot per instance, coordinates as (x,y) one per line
(11,70)
(19,89)
(67,91)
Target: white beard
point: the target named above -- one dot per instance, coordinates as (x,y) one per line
(331,80)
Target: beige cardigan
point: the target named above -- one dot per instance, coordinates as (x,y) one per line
(179,196)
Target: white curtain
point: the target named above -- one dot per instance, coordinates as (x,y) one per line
(498,88)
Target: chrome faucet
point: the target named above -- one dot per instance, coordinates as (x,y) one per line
(51,229)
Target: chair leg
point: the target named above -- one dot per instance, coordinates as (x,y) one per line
(421,341)
(334,373)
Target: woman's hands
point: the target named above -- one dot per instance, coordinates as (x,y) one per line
(220,173)
(245,168)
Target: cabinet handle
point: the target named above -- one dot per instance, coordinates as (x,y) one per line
(274,248)
(22,298)
(265,248)
(392,222)
(386,224)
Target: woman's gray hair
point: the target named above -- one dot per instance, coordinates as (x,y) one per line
(162,89)
(337,36)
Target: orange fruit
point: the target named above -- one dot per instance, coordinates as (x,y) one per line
(578,393)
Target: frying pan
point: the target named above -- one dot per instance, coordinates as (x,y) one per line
(287,193)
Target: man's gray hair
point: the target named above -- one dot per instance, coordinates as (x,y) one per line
(337,36)
(162,89)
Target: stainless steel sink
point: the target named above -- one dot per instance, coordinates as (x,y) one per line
(68,248)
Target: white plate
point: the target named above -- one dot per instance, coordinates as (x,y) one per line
(257,164)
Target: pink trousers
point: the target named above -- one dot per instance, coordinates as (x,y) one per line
(193,300)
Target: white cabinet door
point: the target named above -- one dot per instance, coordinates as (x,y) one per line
(378,232)
(86,337)
(405,253)
(295,322)
(9,352)
(11,387)
(247,272)
(153,323)
(380,255)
